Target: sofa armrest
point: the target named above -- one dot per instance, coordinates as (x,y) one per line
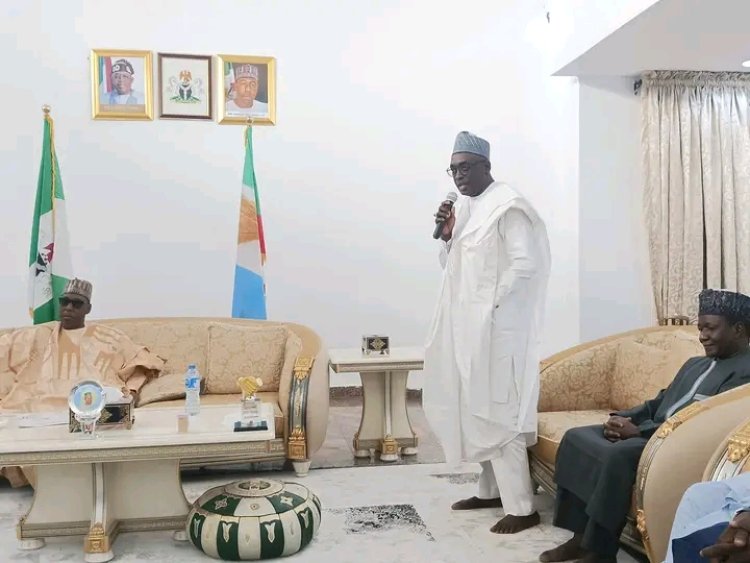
(732,457)
(308,407)
(577,379)
(686,441)
(318,395)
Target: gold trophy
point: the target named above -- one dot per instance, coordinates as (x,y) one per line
(249,385)
(250,415)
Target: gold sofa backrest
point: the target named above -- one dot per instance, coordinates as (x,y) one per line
(592,365)
(184,340)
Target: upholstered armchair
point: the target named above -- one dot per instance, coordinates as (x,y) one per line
(684,452)
(582,385)
(732,457)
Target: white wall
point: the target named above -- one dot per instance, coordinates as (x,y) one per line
(580,24)
(369,100)
(615,281)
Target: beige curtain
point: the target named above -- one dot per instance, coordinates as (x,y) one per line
(696,155)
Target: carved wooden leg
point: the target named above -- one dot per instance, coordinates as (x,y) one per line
(31,544)
(97,546)
(402,430)
(301,468)
(372,424)
(62,502)
(98,501)
(389,446)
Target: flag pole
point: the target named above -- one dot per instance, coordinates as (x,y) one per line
(49,255)
(46,108)
(248,127)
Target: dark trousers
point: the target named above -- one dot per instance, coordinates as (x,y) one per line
(570,513)
(595,479)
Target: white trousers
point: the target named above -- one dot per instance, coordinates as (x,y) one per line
(509,478)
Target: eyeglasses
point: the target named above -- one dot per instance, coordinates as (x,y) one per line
(463,168)
(65,301)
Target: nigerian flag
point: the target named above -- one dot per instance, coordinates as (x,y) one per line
(49,256)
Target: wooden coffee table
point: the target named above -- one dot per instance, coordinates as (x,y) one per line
(122,480)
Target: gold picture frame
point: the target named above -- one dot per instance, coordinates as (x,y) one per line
(258,76)
(114,94)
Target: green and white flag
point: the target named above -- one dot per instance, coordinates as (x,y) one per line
(49,257)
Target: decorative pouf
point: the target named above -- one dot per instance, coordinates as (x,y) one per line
(254,519)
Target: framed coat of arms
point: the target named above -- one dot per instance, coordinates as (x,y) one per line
(185,86)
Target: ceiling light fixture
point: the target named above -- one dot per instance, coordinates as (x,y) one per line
(746,64)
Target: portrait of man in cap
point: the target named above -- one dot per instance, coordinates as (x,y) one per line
(246,90)
(121,84)
(122,80)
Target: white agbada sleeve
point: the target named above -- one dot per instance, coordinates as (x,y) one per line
(517,233)
(445,248)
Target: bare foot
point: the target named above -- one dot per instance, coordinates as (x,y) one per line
(568,551)
(510,524)
(474,503)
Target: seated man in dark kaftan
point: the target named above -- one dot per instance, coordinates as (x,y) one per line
(596,466)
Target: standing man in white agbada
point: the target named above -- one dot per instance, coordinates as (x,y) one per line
(482,358)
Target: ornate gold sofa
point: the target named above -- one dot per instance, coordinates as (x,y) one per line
(290,358)
(582,385)
(732,457)
(678,456)
(690,456)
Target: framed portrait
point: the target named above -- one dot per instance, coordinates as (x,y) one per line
(121,84)
(247,89)
(185,86)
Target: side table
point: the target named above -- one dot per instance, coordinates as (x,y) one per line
(385,424)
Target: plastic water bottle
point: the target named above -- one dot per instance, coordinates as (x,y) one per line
(192,390)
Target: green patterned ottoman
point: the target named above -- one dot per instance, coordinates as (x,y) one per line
(254,519)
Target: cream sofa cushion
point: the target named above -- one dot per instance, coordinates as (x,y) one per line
(164,388)
(553,425)
(237,351)
(641,371)
(581,382)
(179,343)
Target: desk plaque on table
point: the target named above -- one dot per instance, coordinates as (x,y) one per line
(114,415)
(375,345)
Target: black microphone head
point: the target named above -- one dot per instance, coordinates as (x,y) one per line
(451,199)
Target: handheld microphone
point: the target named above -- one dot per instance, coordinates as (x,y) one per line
(451,199)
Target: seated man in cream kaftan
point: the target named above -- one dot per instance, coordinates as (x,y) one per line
(482,357)
(41,364)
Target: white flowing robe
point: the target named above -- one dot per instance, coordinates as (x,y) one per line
(482,355)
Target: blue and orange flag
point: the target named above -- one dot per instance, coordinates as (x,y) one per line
(249,299)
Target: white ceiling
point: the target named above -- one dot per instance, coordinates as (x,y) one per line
(712,35)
